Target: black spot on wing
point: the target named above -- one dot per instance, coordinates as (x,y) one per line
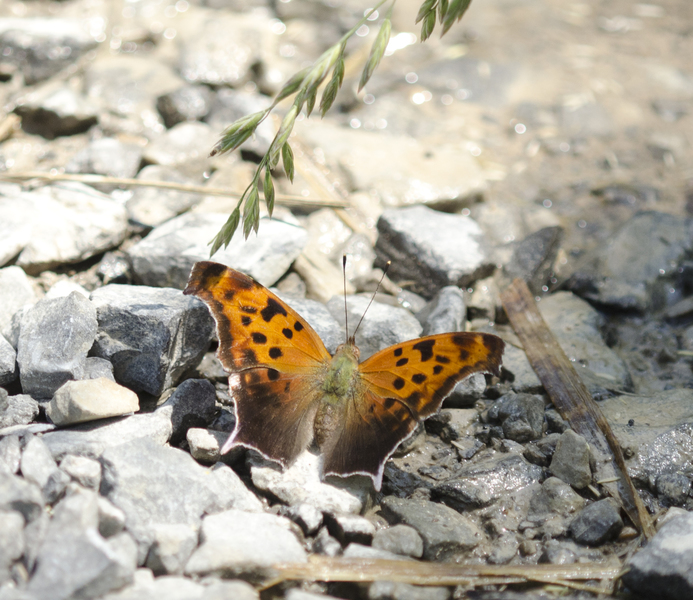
(272,309)
(251,310)
(288,334)
(398,351)
(418,378)
(464,355)
(398,383)
(298,326)
(388,403)
(259,338)
(213,270)
(229,294)
(402,361)
(443,360)
(413,398)
(246,320)
(437,369)
(273,374)
(249,357)
(275,352)
(426,349)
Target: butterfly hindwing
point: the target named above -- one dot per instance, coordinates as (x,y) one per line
(421,373)
(254,326)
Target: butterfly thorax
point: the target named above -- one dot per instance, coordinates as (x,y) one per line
(340,383)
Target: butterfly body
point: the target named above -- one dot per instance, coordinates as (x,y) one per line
(289,392)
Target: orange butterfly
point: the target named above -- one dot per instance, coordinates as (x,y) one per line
(289,391)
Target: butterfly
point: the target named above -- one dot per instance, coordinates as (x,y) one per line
(289,392)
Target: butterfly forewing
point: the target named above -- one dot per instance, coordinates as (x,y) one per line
(421,373)
(255,328)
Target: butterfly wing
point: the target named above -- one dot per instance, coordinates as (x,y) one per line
(401,386)
(274,356)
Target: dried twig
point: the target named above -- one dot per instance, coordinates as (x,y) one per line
(572,400)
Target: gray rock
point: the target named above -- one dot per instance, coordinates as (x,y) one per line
(306,516)
(446,312)
(621,275)
(522,377)
(597,523)
(91,439)
(8,362)
(172,545)
(41,47)
(389,590)
(226,53)
(59,224)
(673,488)
(670,452)
(107,156)
(57,110)
(182,145)
(152,206)
(187,103)
(83,565)
(20,495)
(521,416)
(348,528)
(329,329)
(38,467)
(504,549)
(484,300)
(205,444)
(21,409)
(577,327)
(301,483)
(83,470)
(15,288)
(89,400)
(10,454)
(244,544)
(230,105)
(555,498)
(96,367)
(662,570)
(166,255)
(571,460)
(193,404)
(53,343)
(383,326)
(228,491)
(533,258)
(111,518)
(399,539)
(434,248)
(325,544)
(151,336)
(483,483)
(444,531)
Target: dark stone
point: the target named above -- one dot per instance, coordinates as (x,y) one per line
(597,523)
(533,258)
(193,405)
(188,103)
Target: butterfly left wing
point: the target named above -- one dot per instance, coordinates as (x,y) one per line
(401,386)
(274,357)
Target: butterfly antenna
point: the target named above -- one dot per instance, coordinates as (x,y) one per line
(346,312)
(387,266)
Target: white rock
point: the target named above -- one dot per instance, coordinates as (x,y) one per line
(91,399)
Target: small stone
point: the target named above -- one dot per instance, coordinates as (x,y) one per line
(560,552)
(348,528)
(205,444)
(20,495)
(96,367)
(555,498)
(89,400)
(21,409)
(446,312)
(187,103)
(54,339)
(673,488)
(306,516)
(522,416)
(151,336)
(111,518)
(504,549)
(193,404)
(534,257)
(437,249)
(10,454)
(171,548)
(325,544)
(571,460)
(246,544)
(229,491)
(662,569)
(83,470)
(8,361)
(388,590)
(444,531)
(38,467)
(399,539)
(597,523)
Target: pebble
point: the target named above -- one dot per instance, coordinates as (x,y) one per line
(521,416)
(399,539)
(205,444)
(193,404)
(444,531)
(306,516)
(164,258)
(83,470)
(349,528)
(54,339)
(533,258)
(172,545)
(445,312)
(187,103)
(244,544)
(434,248)
(597,523)
(37,466)
(150,335)
(571,460)
(10,454)
(662,569)
(673,488)
(90,399)
(21,409)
